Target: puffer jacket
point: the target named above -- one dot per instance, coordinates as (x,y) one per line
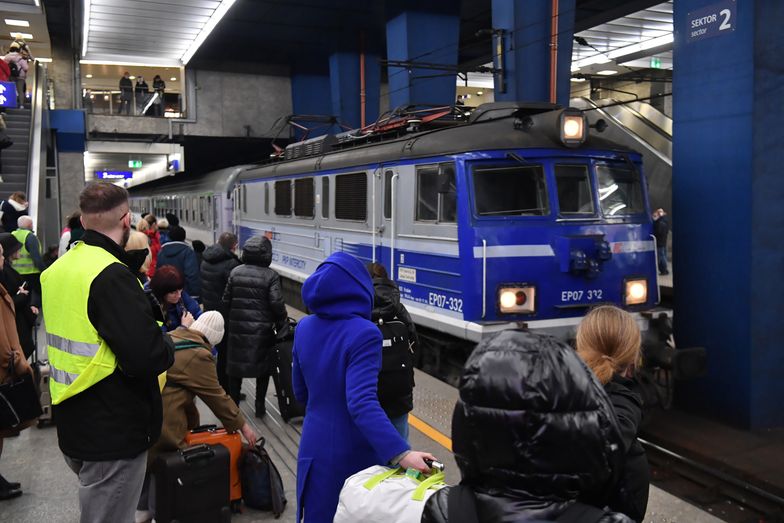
(533,432)
(253,303)
(387,306)
(181,255)
(217,263)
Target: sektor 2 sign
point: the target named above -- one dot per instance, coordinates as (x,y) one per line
(713,20)
(8,94)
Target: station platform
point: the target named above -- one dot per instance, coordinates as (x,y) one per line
(50,488)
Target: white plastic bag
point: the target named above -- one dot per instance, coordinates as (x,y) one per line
(383,495)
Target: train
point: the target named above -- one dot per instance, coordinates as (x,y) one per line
(516,215)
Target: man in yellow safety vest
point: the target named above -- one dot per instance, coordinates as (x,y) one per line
(29,264)
(105,352)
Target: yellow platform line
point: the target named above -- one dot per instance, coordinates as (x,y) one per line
(430,432)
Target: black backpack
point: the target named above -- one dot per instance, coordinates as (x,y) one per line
(14,69)
(262,486)
(396,377)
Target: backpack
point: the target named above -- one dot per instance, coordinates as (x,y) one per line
(396,377)
(12,65)
(262,486)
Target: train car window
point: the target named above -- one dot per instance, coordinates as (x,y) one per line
(266,197)
(351,197)
(283,198)
(436,194)
(201,210)
(388,195)
(325,197)
(510,191)
(304,197)
(620,190)
(209,212)
(574,190)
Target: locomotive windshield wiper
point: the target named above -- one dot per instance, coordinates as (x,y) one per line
(513,211)
(519,159)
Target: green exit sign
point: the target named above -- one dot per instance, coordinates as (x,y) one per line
(134,163)
(655,62)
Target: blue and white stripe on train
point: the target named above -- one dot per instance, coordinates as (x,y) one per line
(520,214)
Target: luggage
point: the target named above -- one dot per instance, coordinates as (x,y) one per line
(192,485)
(281,375)
(18,399)
(383,494)
(42,371)
(212,435)
(396,377)
(262,485)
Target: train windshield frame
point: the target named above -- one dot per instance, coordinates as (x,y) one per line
(499,193)
(620,189)
(574,190)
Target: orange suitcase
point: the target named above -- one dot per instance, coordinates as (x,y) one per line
(214,435)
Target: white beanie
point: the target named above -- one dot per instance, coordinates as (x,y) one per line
(210,324)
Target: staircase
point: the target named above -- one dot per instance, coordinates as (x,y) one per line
(14,159)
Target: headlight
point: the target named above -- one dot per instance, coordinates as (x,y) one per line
(516,300)
(636,291)
(573,125)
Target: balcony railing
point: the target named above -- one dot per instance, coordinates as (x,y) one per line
(137,103)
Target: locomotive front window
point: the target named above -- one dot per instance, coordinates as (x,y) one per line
(574,189)
(436,193)
(620,190)
(511,191)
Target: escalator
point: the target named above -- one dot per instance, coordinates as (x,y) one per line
(643,128)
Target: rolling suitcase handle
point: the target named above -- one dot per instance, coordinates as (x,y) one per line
(197,452)
(204,428)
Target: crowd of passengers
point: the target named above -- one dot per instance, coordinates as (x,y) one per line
(541,431)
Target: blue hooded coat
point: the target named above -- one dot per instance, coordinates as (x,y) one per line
(337,357)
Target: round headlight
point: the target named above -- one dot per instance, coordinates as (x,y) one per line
(637,291)
(572,128)
(508,299)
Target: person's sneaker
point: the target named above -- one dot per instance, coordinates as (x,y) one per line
(8,485)
(260,413)
(10,493)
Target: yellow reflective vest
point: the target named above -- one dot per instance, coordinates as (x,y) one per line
(78,357)
(24,265)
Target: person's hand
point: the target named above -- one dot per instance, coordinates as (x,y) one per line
(34,309)
(416,460)
(187,319)
(249,435)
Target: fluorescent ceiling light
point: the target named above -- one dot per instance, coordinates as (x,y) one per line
(216,17)
(173,79)
(26,36)
(45,60)
(578,79)
(642,46)
(115,62)
(88,76)
(85,26)
(607,72)
(19,23)
(37,3)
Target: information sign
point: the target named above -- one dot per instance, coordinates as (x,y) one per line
(713,20)
(8,94)
(134,164)
(113,175)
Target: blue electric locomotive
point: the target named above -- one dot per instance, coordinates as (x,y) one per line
(516,215)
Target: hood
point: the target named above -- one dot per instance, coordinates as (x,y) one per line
(10,244)
(19,207)
(257,251)
(386,299)
(339,287)
(216,254)
(174,248)
(533,422)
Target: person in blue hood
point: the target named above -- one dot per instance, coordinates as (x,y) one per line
(337,357)
(179,254)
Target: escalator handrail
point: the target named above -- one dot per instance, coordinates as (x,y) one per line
(35,173)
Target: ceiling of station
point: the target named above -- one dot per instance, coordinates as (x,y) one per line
(154,32)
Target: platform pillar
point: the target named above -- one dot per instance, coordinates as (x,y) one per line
(310,90)
(355,80)
(525,28)
(417,35)
(728,214)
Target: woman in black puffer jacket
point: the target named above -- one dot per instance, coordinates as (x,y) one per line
(533,432)
(254,305)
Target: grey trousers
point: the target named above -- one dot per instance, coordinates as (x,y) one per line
(109,490)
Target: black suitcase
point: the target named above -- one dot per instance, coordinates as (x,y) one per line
(281,375)
(192,485)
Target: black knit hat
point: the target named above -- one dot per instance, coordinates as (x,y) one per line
(10,244)
(172,219)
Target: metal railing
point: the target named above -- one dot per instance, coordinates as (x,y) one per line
(37,191)
(113,102)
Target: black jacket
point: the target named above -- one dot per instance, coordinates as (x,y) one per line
(10,216)
(533,431)
(120,416)
(631,497)
(217,263)
(661,228)
(254,305)
(126,85)
(25,319)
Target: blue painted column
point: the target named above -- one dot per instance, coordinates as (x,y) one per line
(345,75)
(423,36)
(310,90)
(526,56)
(727,207)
